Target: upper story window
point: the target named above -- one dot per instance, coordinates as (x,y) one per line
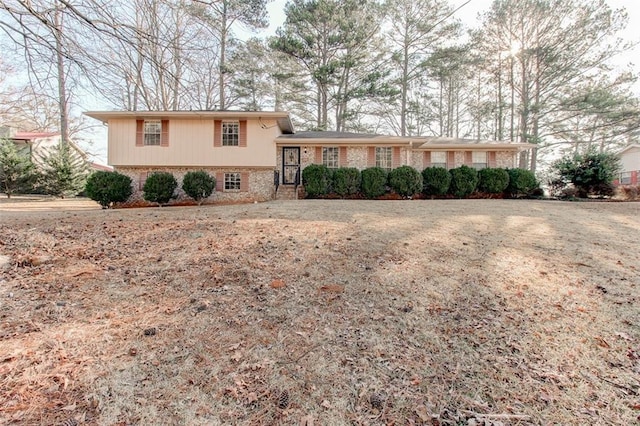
(152,132)
(230,133)
(330,157)
(439,159)
(479,159)
(384,157)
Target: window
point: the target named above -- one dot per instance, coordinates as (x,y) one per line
(330,157)
(152,132)
(479,160)
(625,178)
(439,159)
(383,158)
(232,181)
(230,133)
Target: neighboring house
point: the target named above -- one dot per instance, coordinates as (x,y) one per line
(250,152)
(630,162)
(33,144)
(37,144)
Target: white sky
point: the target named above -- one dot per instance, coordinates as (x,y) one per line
(468,15)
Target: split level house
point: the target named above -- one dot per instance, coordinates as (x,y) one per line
(257,155)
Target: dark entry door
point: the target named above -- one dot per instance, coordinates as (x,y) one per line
(290,165)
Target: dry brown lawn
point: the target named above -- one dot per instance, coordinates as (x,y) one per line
(477,312)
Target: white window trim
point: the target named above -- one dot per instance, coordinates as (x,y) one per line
(439,162)
(230,135)
(334,162)
(156,135)
(479,161)
(232,179)
(388,154)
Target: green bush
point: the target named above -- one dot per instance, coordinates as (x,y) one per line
(346,181)
(464,180)
(107,188)
(159,187)
(374,182)
(522,183)
(493,181)
(405,181)
(436,180)
(316,179)
(591,173)
(198,185)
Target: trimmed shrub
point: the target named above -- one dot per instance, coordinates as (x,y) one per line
(316,179)
(405,181)
(198,185)
(159,187)
(374,182)
(464,180)
(346,181)
(493,180)
(436,180)
(522,183)
(107,188)
(591,173)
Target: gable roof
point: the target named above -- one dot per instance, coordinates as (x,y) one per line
(28,136)
(629,148)
(282,118)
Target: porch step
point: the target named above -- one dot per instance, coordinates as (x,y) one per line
(288,193)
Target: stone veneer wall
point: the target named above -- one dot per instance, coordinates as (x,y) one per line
(506,159)
(261,186)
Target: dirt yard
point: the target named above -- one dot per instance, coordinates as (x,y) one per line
(461,312)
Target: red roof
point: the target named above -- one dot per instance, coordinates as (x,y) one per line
(34,135)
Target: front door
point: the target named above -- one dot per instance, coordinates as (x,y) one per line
(290,165)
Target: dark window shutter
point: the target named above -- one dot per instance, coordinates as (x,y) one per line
(139,132)
(451,159)
(492,159)
(244,182)
(242,136)
(395,157)
(164,135)
(219,182)
(342,156)
(371,156)
(143,179)
(426,159)
(217,133)
(468,158)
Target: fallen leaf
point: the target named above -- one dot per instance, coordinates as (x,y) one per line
(601,342)
(277,284)
(332,288)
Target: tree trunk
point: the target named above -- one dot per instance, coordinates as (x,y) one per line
(223,49)
(62,89)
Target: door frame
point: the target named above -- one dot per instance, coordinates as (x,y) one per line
(285,165)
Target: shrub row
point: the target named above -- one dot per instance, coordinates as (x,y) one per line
(374,182)
(107,188)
